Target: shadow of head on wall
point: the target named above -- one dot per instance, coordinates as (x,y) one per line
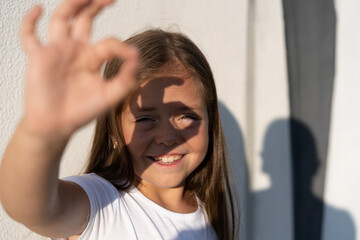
(307,209)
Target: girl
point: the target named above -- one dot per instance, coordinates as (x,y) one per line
(157,168)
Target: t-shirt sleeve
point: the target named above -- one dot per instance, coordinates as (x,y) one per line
(102,197)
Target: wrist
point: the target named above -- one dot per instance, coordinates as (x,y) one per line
(42,133)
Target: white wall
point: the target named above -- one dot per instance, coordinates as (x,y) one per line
(342,193)
(268,137)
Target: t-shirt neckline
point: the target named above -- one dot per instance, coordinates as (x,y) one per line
(189,216)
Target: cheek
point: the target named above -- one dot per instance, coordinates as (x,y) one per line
(127,129)
(135,141)
(204,144)
(127,133)
(200,142)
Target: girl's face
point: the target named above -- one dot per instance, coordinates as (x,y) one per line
(165,128)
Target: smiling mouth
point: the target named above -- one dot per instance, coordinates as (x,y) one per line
(167,159)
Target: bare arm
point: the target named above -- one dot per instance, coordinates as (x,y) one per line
(64,91)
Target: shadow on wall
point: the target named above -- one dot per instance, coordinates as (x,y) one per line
(309,209)
(342,226)
(236,151)
(266,214)
(272,213)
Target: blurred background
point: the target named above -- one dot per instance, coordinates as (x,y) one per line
(288,79)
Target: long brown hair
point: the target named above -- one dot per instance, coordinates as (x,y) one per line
(210,181)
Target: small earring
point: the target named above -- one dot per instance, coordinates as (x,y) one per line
(115,145)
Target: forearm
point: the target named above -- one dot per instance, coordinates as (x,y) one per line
(29,176)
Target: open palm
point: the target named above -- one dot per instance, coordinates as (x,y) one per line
(65,88)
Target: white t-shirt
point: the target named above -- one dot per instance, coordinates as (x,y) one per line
(130,215)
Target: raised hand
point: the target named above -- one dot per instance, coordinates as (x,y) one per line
(64,85)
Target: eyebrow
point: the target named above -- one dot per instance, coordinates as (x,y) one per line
(145,109)
(182,108)
(195,107)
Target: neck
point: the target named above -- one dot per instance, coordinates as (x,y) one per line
(177,199)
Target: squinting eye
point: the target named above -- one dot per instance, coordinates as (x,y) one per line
(144,120)
(185,121)
(145,123)
(187,117)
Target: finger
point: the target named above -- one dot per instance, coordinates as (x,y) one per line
(119,87)
(83,22)
(111,48)
(60,26)
(27,33)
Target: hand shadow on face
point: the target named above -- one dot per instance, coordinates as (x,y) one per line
(145,93)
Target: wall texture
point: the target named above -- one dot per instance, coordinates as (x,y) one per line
(342,191)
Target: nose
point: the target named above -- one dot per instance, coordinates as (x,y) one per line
(167,134)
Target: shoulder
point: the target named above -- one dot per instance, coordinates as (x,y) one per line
(90,179)
(97,188)
(103,198)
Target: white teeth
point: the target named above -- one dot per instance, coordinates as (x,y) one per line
(169,159)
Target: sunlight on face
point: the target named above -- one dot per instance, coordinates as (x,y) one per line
(165,128)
